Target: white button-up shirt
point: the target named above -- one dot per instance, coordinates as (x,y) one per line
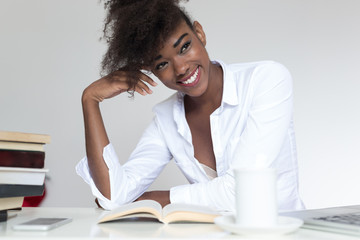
(255,117)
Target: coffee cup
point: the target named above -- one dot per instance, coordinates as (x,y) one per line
(255,197)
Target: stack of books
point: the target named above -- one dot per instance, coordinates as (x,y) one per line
(22,173)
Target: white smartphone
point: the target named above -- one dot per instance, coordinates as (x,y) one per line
(41,224)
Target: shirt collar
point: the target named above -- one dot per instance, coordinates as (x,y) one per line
(230,94)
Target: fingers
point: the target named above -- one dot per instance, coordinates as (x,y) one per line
(143,88)
(149,80)
(146,78)
(118,82)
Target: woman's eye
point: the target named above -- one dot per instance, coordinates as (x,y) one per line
(185,46)
(160,65)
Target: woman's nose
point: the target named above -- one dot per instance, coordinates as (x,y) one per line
(180,67)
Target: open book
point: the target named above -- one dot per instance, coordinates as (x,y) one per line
(170,213)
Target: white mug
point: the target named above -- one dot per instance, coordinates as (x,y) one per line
(255,197)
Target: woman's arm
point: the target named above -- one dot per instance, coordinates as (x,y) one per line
(95,133)
(96,139)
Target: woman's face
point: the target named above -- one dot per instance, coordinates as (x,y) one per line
(183,63)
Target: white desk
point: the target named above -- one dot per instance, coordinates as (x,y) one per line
(84,226)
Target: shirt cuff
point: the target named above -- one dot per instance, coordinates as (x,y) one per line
(82,169)
(217,194)
(180,194)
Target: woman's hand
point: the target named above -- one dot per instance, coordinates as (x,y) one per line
(162,197)
(116,83)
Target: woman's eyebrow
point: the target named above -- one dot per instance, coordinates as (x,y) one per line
(179,40)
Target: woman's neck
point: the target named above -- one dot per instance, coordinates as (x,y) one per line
(212,97)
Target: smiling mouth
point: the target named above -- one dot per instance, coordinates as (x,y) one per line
(192,80)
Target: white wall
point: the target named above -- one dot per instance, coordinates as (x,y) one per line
(49,52)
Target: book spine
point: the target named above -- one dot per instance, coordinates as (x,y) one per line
(18,190)
(28,159)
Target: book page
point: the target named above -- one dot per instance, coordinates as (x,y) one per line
(182,207)
(188,213)
(24,176)
(20,169)
(11,202)
(145,208)
(24,137)
(21,146)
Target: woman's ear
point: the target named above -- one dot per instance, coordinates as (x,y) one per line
(199,32)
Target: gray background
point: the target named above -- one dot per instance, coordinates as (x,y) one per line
(50,52)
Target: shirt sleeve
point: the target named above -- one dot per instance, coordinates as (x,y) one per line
(267,126)
(130,180)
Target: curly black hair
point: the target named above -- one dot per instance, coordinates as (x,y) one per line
(135,30)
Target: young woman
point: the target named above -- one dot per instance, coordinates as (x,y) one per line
(221,117)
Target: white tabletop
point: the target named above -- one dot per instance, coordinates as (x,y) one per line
(84,226)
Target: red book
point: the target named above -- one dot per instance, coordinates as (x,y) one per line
(27,159)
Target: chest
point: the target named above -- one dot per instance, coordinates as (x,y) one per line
(200,129)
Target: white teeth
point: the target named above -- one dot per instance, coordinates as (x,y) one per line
(192,78)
